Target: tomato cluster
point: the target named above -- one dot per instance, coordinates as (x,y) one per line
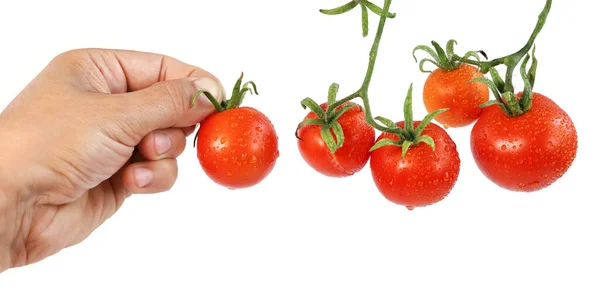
(520,141)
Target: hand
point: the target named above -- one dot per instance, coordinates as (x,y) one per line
(94,127)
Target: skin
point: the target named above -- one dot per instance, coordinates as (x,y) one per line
(359,137)
(526,153)
(423,177)
(93,128)
(452,89)
(237,148)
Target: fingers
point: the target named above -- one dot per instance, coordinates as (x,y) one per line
(150,177)
(165,105)
(160,144)
(127,71)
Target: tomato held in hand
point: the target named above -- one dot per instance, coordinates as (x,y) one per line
(450,86)
(424,176)
(351,157)
(528,152)
(452,89)
(237,147)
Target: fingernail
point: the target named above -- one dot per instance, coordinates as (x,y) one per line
(211,86)
(162,143)
(142,177)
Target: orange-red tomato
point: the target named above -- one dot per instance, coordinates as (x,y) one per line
(525,153)
(359,137)
(452,89)
(423,177)
(237,148)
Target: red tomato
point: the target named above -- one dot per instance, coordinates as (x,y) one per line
(237,148)
(423,177)
(525,153)
(359,137)
(452,89)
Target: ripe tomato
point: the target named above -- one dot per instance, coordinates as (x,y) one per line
(238,147)
(359,137)
(525,153)
(452,89)
(423,177)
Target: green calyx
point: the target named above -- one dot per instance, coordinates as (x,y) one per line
(409,136)
(445,60)
(505,95)
(365,6)
(331,130)
(237,96)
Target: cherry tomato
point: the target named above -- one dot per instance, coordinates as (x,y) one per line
(423,177)
(238,147)
(525,153)
(359,137)
(452,89)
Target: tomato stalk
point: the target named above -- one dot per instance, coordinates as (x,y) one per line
(503,90)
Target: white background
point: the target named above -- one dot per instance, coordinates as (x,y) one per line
(299,235)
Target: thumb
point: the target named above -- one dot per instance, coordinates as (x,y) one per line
(167,104)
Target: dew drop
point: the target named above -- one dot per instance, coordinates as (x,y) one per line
(446,126)
(223,140)
(411,208)
(521,185)
(503,147)
(258,129)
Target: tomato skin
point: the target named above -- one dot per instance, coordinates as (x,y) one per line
(452,89)
(525,153)
(423,177)
(237,148)
(359,137)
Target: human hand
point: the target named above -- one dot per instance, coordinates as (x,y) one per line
(93,128)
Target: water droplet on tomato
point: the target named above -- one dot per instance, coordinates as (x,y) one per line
(254,159)
(446,126)
(503,147)
(234,125)
(258,129)
(411,208)
(255,141)
(521,185)
(223,140)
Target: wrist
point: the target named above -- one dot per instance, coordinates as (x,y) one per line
(7,202)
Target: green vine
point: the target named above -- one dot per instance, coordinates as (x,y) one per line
(408,136)
(503,89)
(365,6)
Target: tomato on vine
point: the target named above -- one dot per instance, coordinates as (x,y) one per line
(414,163)
(236,146)
(335,142)
(522,141)
(528,152)
(450,86)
